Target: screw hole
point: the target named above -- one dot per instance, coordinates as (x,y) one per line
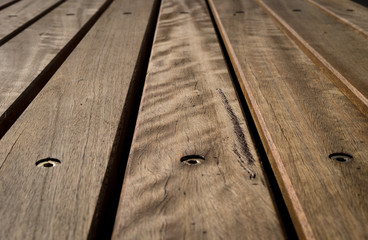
(70,14)
(340,157)
(297,10)
(349,10)
(127,13)
(12,16)
(48,162)
(192,159)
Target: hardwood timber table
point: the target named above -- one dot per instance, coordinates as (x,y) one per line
(183,119)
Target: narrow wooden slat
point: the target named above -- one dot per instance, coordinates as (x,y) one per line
(189,107)
(6,3)
(17,15)
(74,119)
(346,11)
(335,46)
(27,59)
(302,118)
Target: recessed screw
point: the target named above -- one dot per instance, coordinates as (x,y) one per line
(48,162)
(192,159)
(340,157)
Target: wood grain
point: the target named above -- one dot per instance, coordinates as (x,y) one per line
(74,119)
(189,107)
(28,58)
(17,15)
(302,118)
(333,45)
(6,3)
(346,11)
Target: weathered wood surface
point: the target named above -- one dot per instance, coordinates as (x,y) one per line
(26,60)
(189,107)
(346,11)
(6,3)
(330,43)
(74,119)
(302,118)
(17,15)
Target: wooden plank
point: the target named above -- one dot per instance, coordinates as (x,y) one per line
(13,18)
(347,12)
(336,47)
(302,118)
(6,3)
(189,107)
(28,60)
(74,119)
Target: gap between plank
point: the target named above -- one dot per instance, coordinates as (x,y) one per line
(352,93)
(340,19)
(30,22)
(27,96)
(361,2)
(108,202)
(300,222)
(8,4)
(271,179)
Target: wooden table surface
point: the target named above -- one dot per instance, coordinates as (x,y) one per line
(183,119)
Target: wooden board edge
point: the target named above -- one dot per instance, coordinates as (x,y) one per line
(18,106)
(28,23)
(115,232)
(8,4)
(297,213)
(351,92)
(339,18)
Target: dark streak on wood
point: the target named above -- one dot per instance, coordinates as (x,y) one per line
(242,163)
(16,31)
(8,4)
(237,129)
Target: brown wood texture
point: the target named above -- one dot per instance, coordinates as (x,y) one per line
(189,107)
(20,13)
(346,11)
(330,43)
(302,118)
(25,57)
(6,3)
(74,119)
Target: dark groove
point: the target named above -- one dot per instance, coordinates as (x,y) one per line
(8,4)
(29,23)
(27,96)
(280,205)
(364,3)
(108,202)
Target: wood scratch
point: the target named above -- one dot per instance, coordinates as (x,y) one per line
(237,129)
